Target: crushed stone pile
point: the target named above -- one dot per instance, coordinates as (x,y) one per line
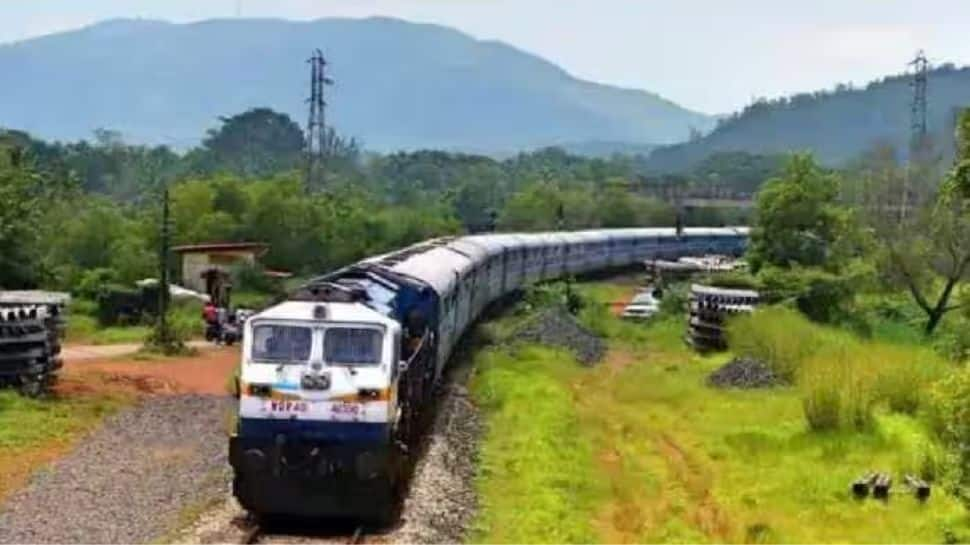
(744,372)
(555,326)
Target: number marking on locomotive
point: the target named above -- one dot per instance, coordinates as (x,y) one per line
(288,406)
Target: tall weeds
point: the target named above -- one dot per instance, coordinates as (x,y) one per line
(781,338)
(842,378)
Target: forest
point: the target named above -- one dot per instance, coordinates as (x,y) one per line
(89,211)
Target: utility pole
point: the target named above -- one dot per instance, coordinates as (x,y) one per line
(163,336)
(317,137)
(918,128)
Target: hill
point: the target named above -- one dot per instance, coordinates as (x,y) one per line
(836,125)
(399,85)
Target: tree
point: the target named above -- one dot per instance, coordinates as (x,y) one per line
(798,219)
(928,251)
(19,213)
(259,142)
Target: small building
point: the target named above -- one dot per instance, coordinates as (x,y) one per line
(200,262)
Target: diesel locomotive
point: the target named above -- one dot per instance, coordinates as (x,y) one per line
(335,379)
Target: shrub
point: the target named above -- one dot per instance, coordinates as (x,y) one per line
(820,295)
(85,307)
(837,392)
(948,408)
(249,277)
(902,374)
(738,279)
(673,303)
(93,282)
(948,414)
(556,294)
(779,337)
(953,339)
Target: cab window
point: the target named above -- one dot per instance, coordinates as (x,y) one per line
(352,346)
(282,343)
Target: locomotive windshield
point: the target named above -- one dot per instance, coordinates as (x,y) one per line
(282,343)
(352,346)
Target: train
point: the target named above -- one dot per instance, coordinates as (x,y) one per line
(336,380)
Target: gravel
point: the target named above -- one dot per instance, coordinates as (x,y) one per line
(555,326)
(744,372)
(130,481)
(441,502)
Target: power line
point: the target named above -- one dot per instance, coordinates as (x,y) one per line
(316,132)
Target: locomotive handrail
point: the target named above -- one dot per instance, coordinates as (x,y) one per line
(419,348)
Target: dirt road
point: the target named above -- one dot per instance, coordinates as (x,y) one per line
(82,352)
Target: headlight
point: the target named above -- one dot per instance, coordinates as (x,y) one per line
(260,390)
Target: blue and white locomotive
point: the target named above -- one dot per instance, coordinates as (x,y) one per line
(334,380)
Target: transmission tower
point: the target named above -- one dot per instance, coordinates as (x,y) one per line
(921,67)
(917,139)
(317,140)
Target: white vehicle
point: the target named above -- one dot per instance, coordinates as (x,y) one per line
(643,305)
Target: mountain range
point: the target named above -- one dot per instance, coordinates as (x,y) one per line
(836,125)
(398,85)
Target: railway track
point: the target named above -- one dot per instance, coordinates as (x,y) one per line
(260,534)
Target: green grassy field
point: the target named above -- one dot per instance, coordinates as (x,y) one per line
(640,449)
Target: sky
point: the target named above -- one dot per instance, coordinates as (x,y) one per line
(713,56)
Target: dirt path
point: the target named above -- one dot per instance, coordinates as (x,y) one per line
(205,373)
(84,352)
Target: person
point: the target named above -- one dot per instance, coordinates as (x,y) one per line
(209,312)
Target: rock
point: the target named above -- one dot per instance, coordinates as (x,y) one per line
(744,372)
(556,327)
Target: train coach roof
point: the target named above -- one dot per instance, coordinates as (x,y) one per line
(474,249)
(437,267)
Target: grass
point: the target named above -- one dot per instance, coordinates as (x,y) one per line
(543,464)
(639,449)
(35,432)
(843,378)
(83,327)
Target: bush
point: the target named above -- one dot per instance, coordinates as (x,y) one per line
(252,278)
(674,300)
(85,307)
(561,294)
(902,374)
(93,282)
(779,337)
(948,408)
(837,392)
(841,377)
(953,339)
(739,280)
(822,296)
(948,414)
